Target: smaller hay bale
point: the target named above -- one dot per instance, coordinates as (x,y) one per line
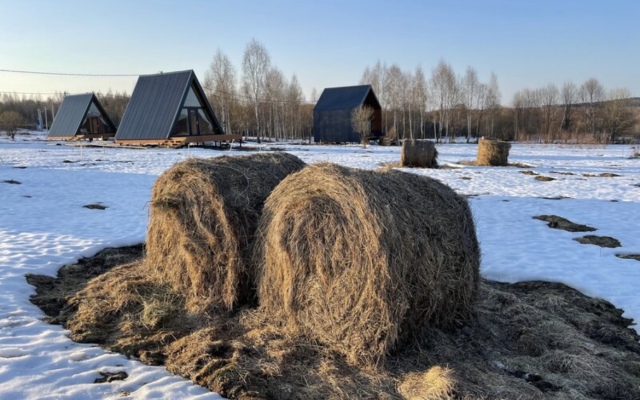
(493,153)
(202,220)
(418,154)
(363,261)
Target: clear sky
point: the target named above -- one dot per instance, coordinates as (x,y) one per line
(325,43)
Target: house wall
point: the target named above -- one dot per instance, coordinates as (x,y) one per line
(334,126)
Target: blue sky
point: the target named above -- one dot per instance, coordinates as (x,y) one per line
(325,43)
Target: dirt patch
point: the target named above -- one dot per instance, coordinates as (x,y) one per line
(557,222)
(602,241)
(556,198)
(629,256)
(95,206)
(543,178)
(602,175)
(532,340)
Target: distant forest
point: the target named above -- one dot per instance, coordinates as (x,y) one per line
(262,102)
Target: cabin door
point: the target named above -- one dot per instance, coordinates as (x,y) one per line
(94,125)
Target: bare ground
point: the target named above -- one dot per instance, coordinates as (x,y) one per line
(530,340)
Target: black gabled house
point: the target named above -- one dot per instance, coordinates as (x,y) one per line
(332,113)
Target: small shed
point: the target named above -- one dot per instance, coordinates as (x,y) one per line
(81,116)
(332,113)
(170,109)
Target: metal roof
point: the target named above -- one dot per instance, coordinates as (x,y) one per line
(72,112)
(344,98)
(155,106)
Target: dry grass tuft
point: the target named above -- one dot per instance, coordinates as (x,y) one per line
(438,383)
(419,154)
(202,220)
(493,153)
(363,260)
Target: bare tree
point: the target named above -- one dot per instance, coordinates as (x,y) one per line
(591,93)
(361,118)
(274,96)
(493,101)
(295,99)
(220,86)
(469,94)
(393,89)
(548,108)
(443,85)
(377,77)
(568,96)
(618,118)
(419,97)
(255,65)
(9,122)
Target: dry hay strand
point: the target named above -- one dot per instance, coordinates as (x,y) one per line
(419,154)
(362,260)
(493,153)
(202,221)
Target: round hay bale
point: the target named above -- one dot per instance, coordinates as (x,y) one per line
(418,154)
(493,153)
(362,260)
(202,221)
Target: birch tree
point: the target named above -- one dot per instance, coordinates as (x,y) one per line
(255,65)
(470,88)
(220,86)
(591,94)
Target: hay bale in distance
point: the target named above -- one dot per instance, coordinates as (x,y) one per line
(419,154)
(493,153)
(203,216)
(362,260)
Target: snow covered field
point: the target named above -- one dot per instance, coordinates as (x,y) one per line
(43,225)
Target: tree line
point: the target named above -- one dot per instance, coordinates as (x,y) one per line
(448,105)
(258,100)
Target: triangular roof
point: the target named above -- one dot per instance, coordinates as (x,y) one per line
(344,98)
(155,106)
(72,112)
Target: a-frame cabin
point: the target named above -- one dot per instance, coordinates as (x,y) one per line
(81,116)
(170,109)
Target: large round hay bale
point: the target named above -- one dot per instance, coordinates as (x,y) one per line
(202,221)
(493,153)
(361,260)
(418,154)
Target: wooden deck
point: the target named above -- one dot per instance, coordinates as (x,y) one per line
(181,141)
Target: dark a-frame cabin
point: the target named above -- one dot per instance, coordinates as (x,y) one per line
(81,116)
(332,114)
(170,109)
